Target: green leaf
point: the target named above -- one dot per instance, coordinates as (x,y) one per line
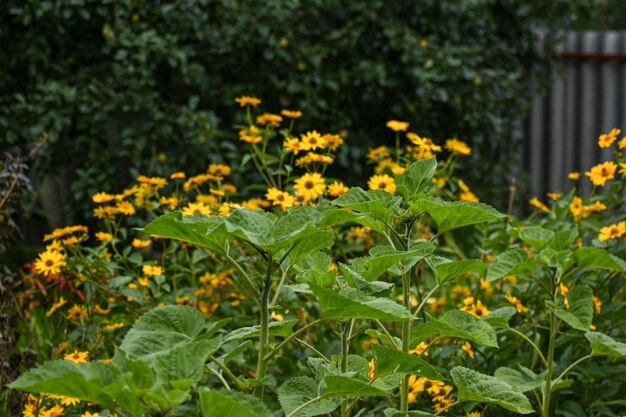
(580,313)
(519,381)
(313,241)
(340,216)
(599,258)
(602,344)
(511,262)
(391,412)
(343,386)
(184,364)
(474,386)
(377,203)
(216,403)
(446,268)
(298,224)
(390,361)
(384,257)
(351,303)
(563,239)
(204,231)
(253,226)
(499,318)
(297,391)
(160,330)
(356,280)
(455,214)
(457,323)
(536,236)
(276,328)
(417,179)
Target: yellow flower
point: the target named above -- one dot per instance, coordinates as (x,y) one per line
(279,198)
(269,119)
(114,326)
(397,126)
(335,189)
(426,144)
(573,175)
(382,182)
(125,208)
(152,270)
(622,169)
(156,182)
(196,208)
(601,173)
(55,411)
(553,196)
(77,357)
(310,186)
(312,140)
(474,414)
(58,233)
(613,231)
(248,101)
(539,205)
(517,303)
(50,263)
(477,308)
(467,348)
(104,236)
(606,139)
(56,306)
(564,290)
(219,169)
(597,304)
(372,370)
(292,144)
(332,141)
(138,243)
(102,197)
(250,135)
(292,114)
(178,175)
(466,194)
(88,414)
(75,312)
(622,143)
(457,147)
(419,349)
(380,152)
(170,202)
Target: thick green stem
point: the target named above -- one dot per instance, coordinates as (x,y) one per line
(264,336)
(554,329)
(406,338)
(346,334)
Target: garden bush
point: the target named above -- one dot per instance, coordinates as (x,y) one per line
(123,87)
(309,297)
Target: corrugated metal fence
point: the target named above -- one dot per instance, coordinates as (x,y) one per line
(587,98)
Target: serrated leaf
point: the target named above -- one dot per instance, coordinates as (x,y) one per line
(297,391)
(390,361)
(343,386)
(276,328)
(449,215)
(253,226)
(417,179)
(340,216)
(536,236)
(446,268)
(216,403)
(564,238)
(313,241)
(384,257)
(457,323)
(511,262)
(599,258)
(351,303)
(474,386)
(160,330)
(391,412)
(580,313)
(519,381)
(184,364)
(602,344)
(377,203)
(355,280)
(204,231)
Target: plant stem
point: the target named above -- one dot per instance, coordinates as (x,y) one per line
(569,368)
(346,334)
(264,336)
(406,338)
(227,371)
(523,336)
(301,406)
(290,338)
(547,390)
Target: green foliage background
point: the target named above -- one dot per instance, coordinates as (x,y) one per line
(127,86)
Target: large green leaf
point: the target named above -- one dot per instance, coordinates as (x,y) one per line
(351,303)
(417,179)
(455,214)
(216,403)
(207,232)
(343,386)
(580,313)
(391,412)
(391,361)
(499,318)
(377,203)
(276,328)
(474,386)
(536,236)
(602,344)
(384,257)
(184,364)
(253,226)
(160,330)
(446,268)
(519,381)
(297,391)
(356,280)
(457,323)
(511,262)
(599,258)
(340,216)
